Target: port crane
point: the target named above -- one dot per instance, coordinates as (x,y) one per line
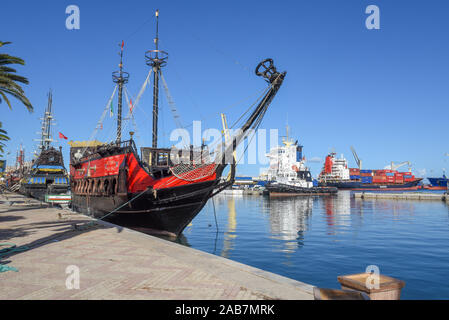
(394,166)
(356,158)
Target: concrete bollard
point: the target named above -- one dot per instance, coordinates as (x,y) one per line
(388,288)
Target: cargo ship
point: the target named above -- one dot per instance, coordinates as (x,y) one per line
(437,183)
(288,174)
(162,189)
(335,173)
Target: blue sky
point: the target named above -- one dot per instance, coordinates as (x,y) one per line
(383,91)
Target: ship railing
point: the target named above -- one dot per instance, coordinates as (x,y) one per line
(89,152)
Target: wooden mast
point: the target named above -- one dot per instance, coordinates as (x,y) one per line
(156,59)
(120,77)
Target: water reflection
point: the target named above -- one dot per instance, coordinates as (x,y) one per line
(337,211)
(289,220)
(343,235)
(230,235)
(387,206)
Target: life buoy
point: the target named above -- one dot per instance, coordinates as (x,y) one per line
(295,168)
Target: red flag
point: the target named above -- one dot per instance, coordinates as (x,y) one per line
(61,136)
(123,43)
(131,106)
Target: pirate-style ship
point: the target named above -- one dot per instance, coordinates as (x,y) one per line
(47,174)
(163,189)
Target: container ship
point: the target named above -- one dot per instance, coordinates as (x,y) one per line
(437,183)
(336,173)
(440,183)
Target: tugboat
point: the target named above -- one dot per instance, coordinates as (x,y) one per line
(163,189)
(47,174)
(289,174)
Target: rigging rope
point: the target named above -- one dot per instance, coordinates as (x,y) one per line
(171,103)
(200,168)
(100,122)
(131,115)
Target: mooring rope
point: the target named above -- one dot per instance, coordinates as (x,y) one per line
(6,252)
(118,208)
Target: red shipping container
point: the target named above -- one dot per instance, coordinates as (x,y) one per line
(390,179)
(379,179)
(366,174)
(407,173)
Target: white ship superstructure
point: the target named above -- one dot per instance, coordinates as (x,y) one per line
(287,165)
(335,169)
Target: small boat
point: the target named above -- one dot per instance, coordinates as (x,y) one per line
(288,174)
(47,174)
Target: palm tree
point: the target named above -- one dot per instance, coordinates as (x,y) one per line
(9,80)
(3,137)
(9,85)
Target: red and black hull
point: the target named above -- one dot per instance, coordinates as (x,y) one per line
(147,211)
(164,205)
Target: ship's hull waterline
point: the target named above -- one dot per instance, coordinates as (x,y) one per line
(146,211)
(355,185)
(280,189)
(39,192)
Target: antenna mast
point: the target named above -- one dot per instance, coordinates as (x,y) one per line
(120,77)
(156,59)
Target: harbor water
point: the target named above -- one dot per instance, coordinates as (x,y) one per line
(316,239)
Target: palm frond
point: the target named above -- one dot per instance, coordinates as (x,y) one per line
(3,137)
(9,80)
(7,59)
(6,100)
